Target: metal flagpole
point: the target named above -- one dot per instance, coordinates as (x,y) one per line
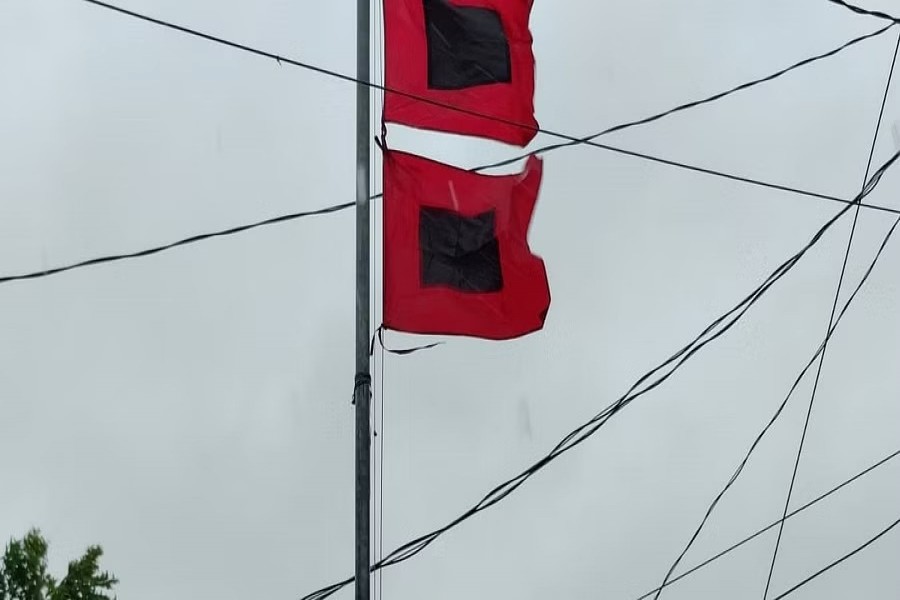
(363,380)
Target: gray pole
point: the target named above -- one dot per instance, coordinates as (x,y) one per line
(362,387)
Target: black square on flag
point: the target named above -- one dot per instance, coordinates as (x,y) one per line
(466,46)
(459,252)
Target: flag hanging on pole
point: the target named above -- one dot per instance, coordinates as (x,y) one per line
(456,255)
(475,55)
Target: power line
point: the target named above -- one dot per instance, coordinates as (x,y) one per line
(339,207)
(242,228)
(689,105)
(779,410)
(837,295)
(569,138)
(586,430)
(190,240)
(543,150)
(830,566)
(712,172)
(864,11)
(773,524)
(272,221)
(721,174)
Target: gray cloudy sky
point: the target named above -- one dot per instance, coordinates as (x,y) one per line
(191,411)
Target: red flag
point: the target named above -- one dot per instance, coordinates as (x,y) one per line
(471,54)
(456,255)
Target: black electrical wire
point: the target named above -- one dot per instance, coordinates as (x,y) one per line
(443,105)
(543,150)
(864,11)
(326,210)
(752,298)
(774,524)
(582,433)
(190,240)
(780,408)
(837,295)
(835,563)
(689,105)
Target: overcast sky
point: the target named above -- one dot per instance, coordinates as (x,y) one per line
(191,411)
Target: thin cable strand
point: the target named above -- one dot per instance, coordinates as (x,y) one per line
(443,105)
(773,524)
(877,207)
(582,433)
(837,295)
(183,242)
(376,88)
(832,565)
(322,211)
(863,11)
(689,105)
(743,463)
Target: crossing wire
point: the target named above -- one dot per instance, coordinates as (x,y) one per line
(835,563)
(383,88)
(569,138)
(542,150)
(778,412)
(723,323)
(690,105)
(837,295)
(773,524)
